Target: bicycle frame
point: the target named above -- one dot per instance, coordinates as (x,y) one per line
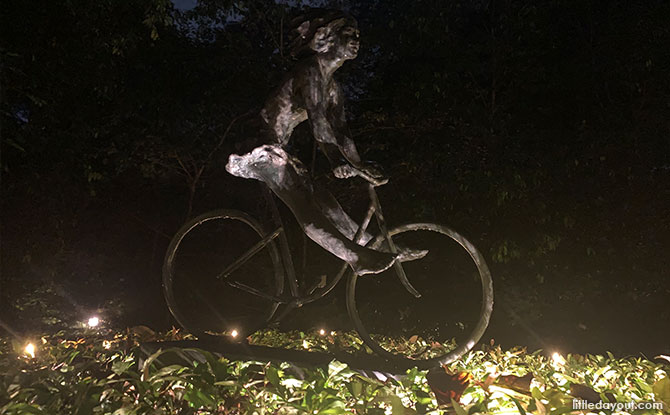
(296,298)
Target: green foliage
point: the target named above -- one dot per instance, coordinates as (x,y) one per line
(103,372)
(415,346)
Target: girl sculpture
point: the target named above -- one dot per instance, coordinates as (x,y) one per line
(309,93)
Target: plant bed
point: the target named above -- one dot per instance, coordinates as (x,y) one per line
(106,372)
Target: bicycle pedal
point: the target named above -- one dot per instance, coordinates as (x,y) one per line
(319,284)
(322,281)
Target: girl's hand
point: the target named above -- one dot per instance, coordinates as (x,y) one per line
(367,172)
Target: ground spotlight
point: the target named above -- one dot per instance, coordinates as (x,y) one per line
(558,359)
(29,350)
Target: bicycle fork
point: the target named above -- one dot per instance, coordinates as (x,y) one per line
(375,207)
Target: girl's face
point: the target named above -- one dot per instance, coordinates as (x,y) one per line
(347,42)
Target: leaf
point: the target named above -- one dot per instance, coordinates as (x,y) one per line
(422,397)
(661,390)
(643,386)
(226,383)
(446,386)
(199,398)
(125,411)
(120,367)
(165,371)
(519,384)
(537,394)
(540,409)
(509,392)
(21,408)
(396,405)
(148,362)
(72,356)
(15,145)
(272,374)
(355,388)
(291,383)
(458,408)
(336,407)
(518,406)
(218,366)
(336,368)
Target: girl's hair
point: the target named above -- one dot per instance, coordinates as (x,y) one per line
(314,31)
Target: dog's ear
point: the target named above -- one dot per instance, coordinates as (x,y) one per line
(303,29)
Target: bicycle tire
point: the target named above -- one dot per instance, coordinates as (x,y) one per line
(227,217)
(485,310)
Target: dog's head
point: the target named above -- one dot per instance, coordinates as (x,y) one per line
(265,159)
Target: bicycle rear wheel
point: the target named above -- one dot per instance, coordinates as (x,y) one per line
(449,317)
(199,297)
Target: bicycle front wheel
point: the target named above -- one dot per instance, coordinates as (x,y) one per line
(451,313)
(222,274)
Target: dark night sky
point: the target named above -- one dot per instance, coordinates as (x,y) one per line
(185,4)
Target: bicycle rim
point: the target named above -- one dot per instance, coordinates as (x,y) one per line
(451,273)
(198,298)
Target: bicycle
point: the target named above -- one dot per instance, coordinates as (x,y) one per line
(255,272)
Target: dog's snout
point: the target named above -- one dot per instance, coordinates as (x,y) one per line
(233,162)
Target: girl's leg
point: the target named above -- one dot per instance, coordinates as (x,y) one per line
(289,181)
(332,209)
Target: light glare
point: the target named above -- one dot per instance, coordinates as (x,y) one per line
(322,332)
(234,333)
(558,359)
(93,322)
(30,350)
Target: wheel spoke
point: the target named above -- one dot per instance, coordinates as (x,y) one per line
(249,254)
(252,290)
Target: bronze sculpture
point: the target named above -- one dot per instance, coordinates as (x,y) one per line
(194,267)
(309,93)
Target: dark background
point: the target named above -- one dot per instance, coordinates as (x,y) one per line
(538,129)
